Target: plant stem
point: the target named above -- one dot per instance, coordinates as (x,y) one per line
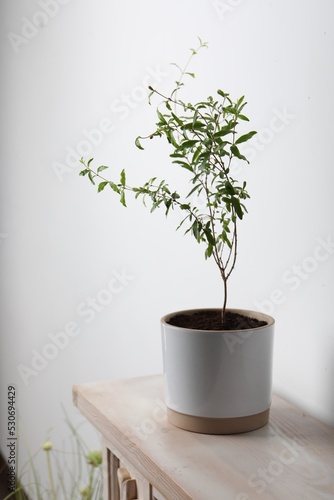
(225,297)
(53,492)
(91,475)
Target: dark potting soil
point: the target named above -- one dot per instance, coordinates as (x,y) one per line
(211,320)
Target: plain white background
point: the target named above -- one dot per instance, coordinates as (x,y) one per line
(74,83)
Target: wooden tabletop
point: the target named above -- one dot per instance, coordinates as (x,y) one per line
(290,458)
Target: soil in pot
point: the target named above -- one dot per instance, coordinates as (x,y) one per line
(212,320)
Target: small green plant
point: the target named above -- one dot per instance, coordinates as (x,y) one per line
(73,474)
(205,142)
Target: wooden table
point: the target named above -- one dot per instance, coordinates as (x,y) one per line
(146,458)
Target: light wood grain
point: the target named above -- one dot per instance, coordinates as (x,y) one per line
(292,457)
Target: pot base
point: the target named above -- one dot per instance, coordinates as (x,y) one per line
(206,425)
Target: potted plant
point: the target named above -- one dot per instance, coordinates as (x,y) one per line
(217,362)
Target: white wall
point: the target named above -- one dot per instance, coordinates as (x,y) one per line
(82,68)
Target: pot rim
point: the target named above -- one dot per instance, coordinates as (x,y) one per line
(246,312)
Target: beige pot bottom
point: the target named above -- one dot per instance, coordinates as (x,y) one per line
(207,425)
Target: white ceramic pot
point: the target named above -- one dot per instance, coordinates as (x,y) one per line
(218,382)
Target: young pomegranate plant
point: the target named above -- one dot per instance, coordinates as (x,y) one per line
(205,142)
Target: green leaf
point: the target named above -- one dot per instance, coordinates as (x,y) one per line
(170,138)
(162,118)
(84,172)
(101,168)
(245,137)
(240,108)
(209,236)
(168,204)
(196,154)
(137,143)
(198,188)
(177,119)
(228,129)
(114,187)
(193,126)
(240,101)
(122,199)
(101,186)
(235,151)
(222,94)
(237,207)
(91,177)
(195,230)
(230,109)
(208,251)
(123,178)
(226,239)
(229,189)
(188,144)
(184,165)
(89,161)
